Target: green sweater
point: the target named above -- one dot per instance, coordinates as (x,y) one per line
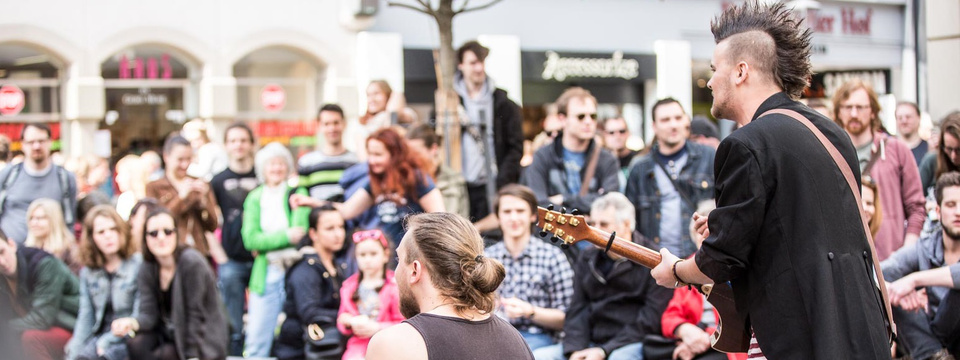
(255,240)
(55,296)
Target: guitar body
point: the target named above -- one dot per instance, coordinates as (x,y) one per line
(732,335)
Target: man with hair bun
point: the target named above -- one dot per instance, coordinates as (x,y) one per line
(788,234)
(447,293)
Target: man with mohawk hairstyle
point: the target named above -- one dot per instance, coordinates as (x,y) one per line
(787,234)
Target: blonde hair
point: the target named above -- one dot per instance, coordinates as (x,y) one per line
(60,240)
(133,168)
(451,249)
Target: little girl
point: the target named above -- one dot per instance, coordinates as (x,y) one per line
(369,299)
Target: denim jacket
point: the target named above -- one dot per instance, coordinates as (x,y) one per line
(95,286)
(696,180)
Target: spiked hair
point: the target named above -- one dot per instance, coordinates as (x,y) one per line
(751,27)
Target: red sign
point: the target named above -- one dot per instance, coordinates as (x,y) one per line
(273,98)
(11,100)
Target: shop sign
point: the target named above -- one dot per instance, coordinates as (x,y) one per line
(826,83)
(273,98)
(143,97)
(11,100)
(560,68)
(152,68)
(852,22)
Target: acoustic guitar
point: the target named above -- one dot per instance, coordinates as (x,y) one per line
(731,335)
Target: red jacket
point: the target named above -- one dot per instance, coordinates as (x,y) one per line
(687,307)
(389,311)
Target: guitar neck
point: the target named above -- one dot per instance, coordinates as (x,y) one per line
(630,250)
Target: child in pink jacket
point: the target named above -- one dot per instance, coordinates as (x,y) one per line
(369,300)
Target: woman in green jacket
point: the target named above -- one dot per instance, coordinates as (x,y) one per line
(273,242)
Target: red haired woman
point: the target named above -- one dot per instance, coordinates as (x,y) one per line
(400,185)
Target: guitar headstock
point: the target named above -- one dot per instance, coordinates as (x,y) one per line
(568,228)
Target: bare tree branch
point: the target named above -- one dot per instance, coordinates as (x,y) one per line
(465,3)
(481,7)
(426,10)
(425,4)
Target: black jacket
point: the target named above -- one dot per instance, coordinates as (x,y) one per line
(196,312)
(313,296)
(546,176)
(787,234)
(615,309)
(507,137)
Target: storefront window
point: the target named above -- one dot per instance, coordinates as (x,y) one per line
(147,90)
(29,91)
(278,93)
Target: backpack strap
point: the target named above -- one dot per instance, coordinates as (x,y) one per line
(68,209)
(7,182)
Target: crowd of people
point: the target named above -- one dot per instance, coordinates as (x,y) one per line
(230,249)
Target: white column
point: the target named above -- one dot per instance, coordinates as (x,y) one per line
(84,105)
(503,64)
(674,76)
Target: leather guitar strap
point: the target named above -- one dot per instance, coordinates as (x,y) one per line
(848,175)
(591,170)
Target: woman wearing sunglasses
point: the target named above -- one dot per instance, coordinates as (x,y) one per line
(272,238)
(370,300)
(180,314)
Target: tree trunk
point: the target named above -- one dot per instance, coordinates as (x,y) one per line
(447,101)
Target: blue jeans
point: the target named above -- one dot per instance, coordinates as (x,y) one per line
(234,277)
(262,314)
(536,341)
(627,352)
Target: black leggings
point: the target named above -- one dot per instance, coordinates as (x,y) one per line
(150,346)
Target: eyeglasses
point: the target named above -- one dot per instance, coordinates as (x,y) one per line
(34,142)
(614,132)
(951,150)
(157,232)
(375,234)
(581,117)
(859,108)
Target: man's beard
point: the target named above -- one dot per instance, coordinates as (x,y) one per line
(408,304)
(720,109)
(951,232)
(855,130)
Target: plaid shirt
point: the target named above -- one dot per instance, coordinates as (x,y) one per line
(541,275)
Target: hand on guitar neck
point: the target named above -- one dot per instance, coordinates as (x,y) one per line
(731,336)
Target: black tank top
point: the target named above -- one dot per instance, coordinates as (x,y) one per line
(455,338)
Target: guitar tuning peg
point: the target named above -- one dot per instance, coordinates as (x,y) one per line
(575,212)
(564,246)
(563,210)
(550,207)
(543,233)
(554,239)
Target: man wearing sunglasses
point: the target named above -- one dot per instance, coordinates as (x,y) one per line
(888,161)
(573,171)
(666,184)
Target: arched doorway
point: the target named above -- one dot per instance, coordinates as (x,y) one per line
(150,91)
(30,85)
(279,89)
